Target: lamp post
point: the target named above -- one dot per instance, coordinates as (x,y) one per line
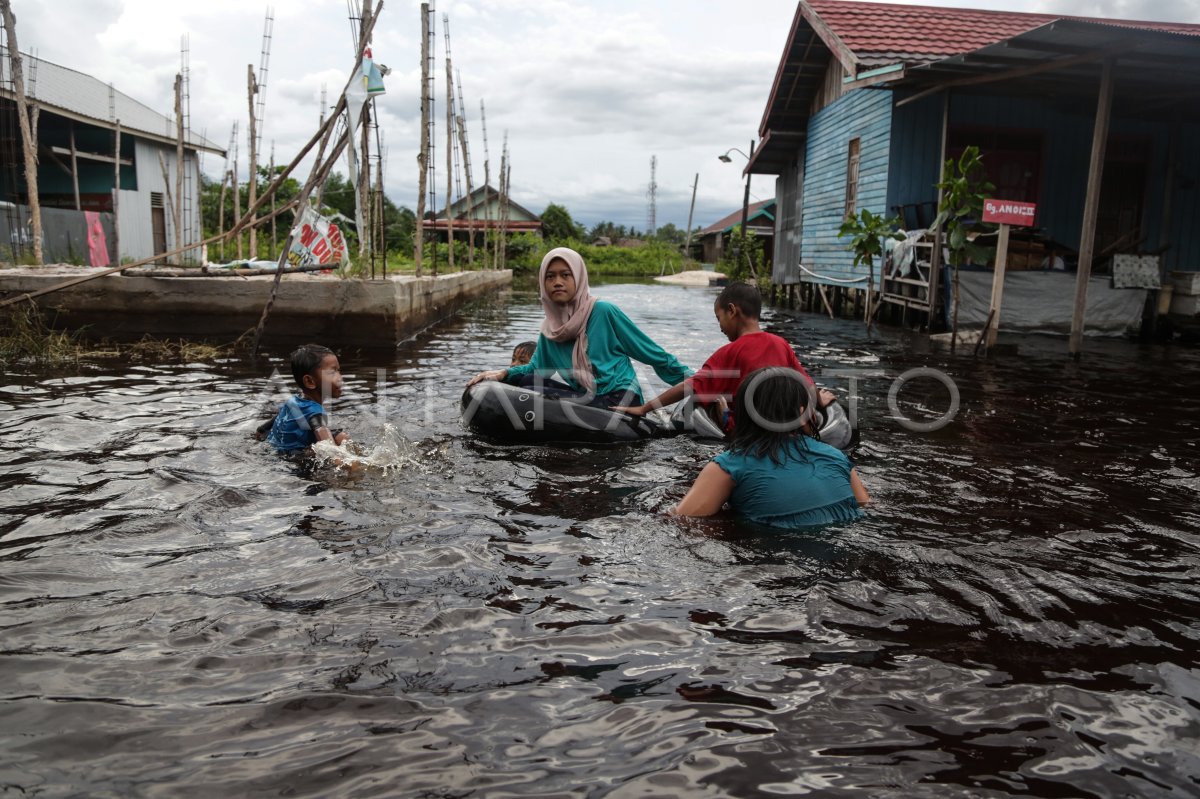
(724,157)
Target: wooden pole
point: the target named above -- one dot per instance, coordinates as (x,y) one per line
(252,188)
(74,168)
(1087,240)
(379,226)
(271,171)
(869,299)
(221,214)
(687,247)
(449,165)
(236,188)
(367,219)
(116,203)
(27,136)
(423,155)
(177,206)
(462,143)
(990,330)
(935,257)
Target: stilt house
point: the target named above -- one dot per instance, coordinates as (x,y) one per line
(870,99)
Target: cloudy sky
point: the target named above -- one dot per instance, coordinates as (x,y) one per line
(587,90)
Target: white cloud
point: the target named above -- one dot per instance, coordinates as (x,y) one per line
(588,91)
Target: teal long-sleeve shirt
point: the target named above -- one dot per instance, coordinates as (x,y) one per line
(613,339)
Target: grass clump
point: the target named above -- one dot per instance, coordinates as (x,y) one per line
(25,337)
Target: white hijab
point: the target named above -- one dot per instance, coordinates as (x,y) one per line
(569,322)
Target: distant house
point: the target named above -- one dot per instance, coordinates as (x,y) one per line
(484,210)
(77,121)
(869,99)
(760,221)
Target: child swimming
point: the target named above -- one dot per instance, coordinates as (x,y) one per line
(302,422)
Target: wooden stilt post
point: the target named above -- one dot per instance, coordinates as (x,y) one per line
(27,133)
(1091,206)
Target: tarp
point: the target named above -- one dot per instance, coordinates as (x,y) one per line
(317,241)
(1043,302)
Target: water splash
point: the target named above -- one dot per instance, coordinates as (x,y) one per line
(390,452)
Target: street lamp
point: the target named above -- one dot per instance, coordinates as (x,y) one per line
(724,157)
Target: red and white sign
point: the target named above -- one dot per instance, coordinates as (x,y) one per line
(1009,212)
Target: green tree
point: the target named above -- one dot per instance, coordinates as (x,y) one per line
(964,188)
(867,232)
(671,234)
(558,226)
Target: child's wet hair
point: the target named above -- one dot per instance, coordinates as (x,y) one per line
(745,296)
(771,407)
(305,359)
(524,351)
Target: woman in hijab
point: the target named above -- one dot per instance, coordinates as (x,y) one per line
(587,341)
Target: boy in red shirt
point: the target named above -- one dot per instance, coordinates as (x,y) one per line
(737,308)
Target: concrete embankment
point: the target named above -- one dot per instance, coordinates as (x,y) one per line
(355,313)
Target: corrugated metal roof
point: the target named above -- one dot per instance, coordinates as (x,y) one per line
(728,222)
(879,34)
(60,88)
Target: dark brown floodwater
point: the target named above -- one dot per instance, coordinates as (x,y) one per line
(186,615)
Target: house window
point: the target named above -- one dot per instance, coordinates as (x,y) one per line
(852,160)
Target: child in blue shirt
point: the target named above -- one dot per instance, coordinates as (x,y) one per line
(775,471)
(302,422)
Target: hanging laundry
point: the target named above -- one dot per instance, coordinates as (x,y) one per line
(97,243)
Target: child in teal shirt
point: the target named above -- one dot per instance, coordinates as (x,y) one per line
(775,471)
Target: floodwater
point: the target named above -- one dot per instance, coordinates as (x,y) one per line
(184,614)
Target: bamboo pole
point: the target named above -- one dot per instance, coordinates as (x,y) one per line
(27,136)
(449,165)
(365,236)
(252,189)
(462,142)
(221,214)
(423,155)
(177,206)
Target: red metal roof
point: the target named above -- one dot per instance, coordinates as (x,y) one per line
(884,33)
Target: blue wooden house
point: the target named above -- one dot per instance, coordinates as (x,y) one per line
(1091,119)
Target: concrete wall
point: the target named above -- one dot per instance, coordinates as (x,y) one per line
(365,314)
